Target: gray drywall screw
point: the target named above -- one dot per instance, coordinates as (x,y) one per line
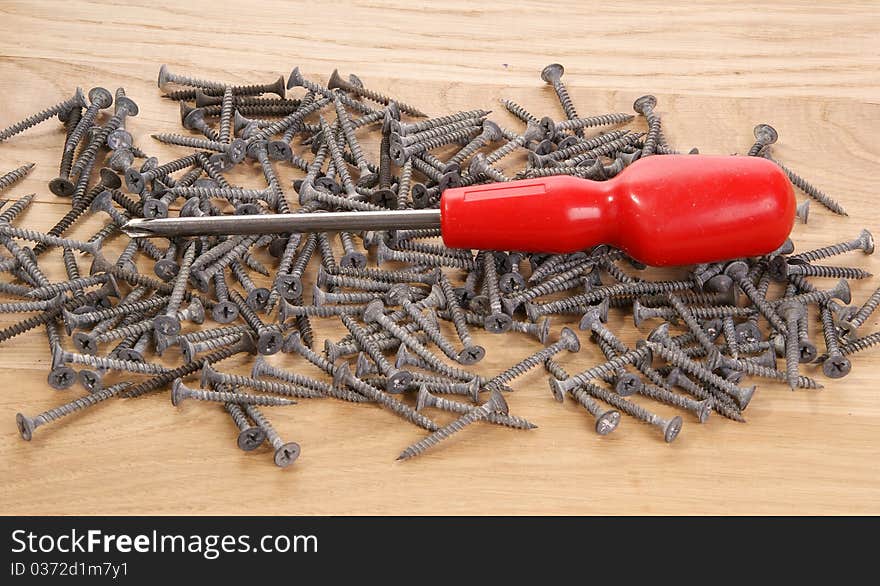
(352,257)
(497,321)
(397,379)
(321,297)
(288,310)
(168,324)
(289,284)
(589,122)
(809,189)
(765,135)
(431,134)
(26,306)
(576,302)
(269,339)
(100,99)
(552,74)
(568,340)
(61,185)
(26,260)
(166,77)
(77,100)
(27,425)
(400,409)
(225,311)
(738,271)
(840,291)
(136,181)
(250,437)
(850,326)
(471,352)
(679,359)
(512,281)
(79,320)
(780,269)
(180,392)
(864,242)
(257,297)
(90,247)
(52,290)
(480,166)
(560,387)
(625,383)
(194,119)
(337,82)
(103,363)
(276,87)
(404,128)
(426,399)
(670,427)
(211,377)
(519,111)
(99,139)
(9,179)
(607,420)
(61,376)
(191,349)
(835,364)
(694,326)
(367,177)
(495,404)
(263,368)
(720,403)
(236,150)
(195,312)
(384,253)
(285,452)
(645,106)
(374,312)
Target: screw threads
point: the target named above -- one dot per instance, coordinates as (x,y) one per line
(14,176)
(263,385)
(811,190)
(16,208)
(604,369)
(443,433)
(76,100)
(679,359)
(226,110)
(400,409)
(607,148)
(866,310)
(367,344)
(114,363)
(519,111)
(829,272)
(596,295)
(761,303)
(53,289)
(126,308)
(237,398)
(87,156)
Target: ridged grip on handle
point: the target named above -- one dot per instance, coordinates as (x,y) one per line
(669,210)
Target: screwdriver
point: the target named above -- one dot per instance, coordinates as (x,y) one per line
(661,210)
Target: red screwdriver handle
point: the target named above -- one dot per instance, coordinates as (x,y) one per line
(661,210)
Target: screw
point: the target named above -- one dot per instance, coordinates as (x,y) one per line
(552,74)
(426,399)
(168,324)
(250,437)
(495,404)
(400,409)
(77,100)
(645,106)
(14,176)
(263,368)
(397,380)
(808,188)
(337,82)
(864,242)
(179,392)
(27,425)
(765,135)
(285,452)
(568,340)
(670,427)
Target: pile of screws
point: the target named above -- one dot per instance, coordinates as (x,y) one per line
(117,318)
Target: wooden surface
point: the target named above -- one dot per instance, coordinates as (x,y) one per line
(808,69)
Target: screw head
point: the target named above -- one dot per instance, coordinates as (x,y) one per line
(557,389)
(867,242)
(766,134)
(511,282)
(237,151)
(167,325)
(279,150)
(672,429)
(644,103)
(163,79)
(225,312)
(287,454)
(155,208)
(398,381)
(569,340)
(258,298)
(836,366)
(497,323)
(270,343)
(295,79)
(552,73)
(497,403)
(90,379)
(336,81)
(251,438)
(607,422)
(166,269)
(471,355)
(424,399)
(373,310)
(100,97)
(628,384)
(289,287)
(127,104)
(62,187)
(85,343)
(748,332)
(736,270)
(807,351)
(25,426)
(61,377)
(178,392)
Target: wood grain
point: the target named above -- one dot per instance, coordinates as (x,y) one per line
(807,68)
